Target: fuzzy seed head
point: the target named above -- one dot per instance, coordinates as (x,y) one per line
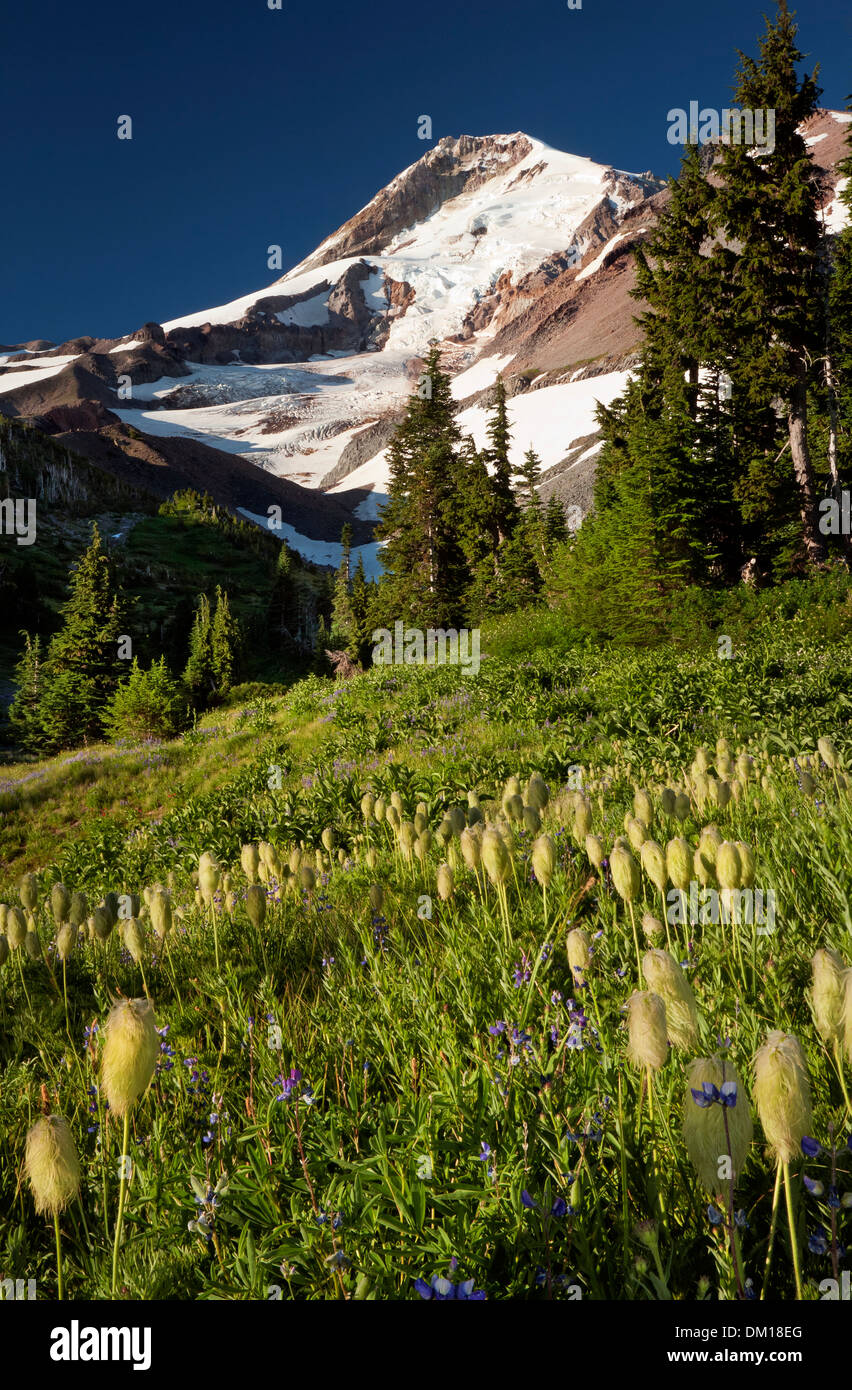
(100,924)
(679,863)
(256,905)
(666,978)
(828,993)
(683,806)
(16,927)
(66,940)
(704,1130)
(78,910)
(595,850)
(582,819)
(702,760)
(471,849)
(60,903)
(538,794)
(328,838)
(828,752)
(368,805)
(160,908)
(653,860)
(782,1094)
(52,1165)
(703,866)
(129,1053)
(668,799)
(625,874)
(746,865)
(652,926)
(209,875)
(134,939)
(377,896)
(495,856)
(28,891)
(637,832)
(646,1027)
(380,808)
(728,867)
(543,858)
(446,886)
(579,947)
(745,767)
(249,860)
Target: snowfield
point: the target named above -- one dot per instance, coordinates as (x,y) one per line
(319,552)
(548,420)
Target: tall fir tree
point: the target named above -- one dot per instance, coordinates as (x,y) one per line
(359,642)
(225,645)
(198,674)
(24,710)
(282,599)
(555,526)
(766,208)
(342,613)
(500,437)
(82,667)
(425,573)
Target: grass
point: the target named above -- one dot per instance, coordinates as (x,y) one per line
(362,1096)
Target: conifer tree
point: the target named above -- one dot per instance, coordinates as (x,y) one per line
(342,612)
(225,645)
(82,668)
(555,526)
(320,661)
(24,710)
(767,206)
(359,642)
(500,435)
(532,521)
(281,614)
(425,570)
(198,674)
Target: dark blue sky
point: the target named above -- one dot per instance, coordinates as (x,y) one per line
(254,126)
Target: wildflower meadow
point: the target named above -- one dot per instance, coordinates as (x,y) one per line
(529,987)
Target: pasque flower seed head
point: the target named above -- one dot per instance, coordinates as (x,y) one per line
(52,1165)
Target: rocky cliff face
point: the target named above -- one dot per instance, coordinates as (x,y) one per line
(452,167)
